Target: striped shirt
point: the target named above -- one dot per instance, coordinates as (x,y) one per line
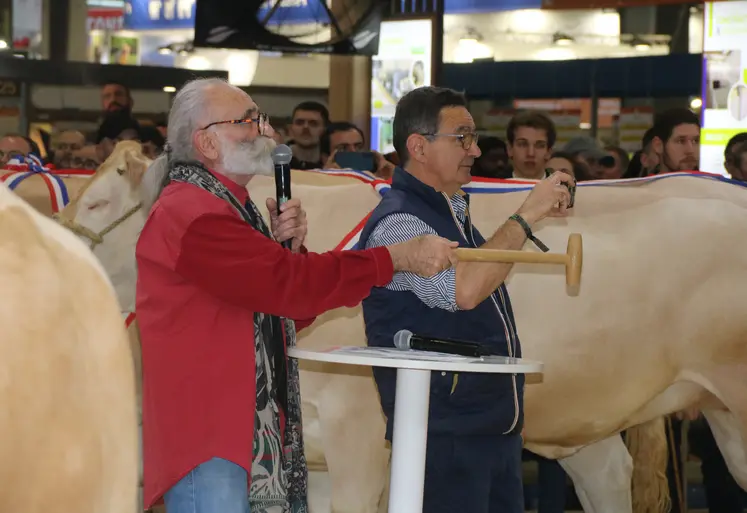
(438,291)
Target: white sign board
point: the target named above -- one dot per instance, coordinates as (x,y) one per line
(724,81)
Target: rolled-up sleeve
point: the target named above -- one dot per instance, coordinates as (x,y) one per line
(438,291)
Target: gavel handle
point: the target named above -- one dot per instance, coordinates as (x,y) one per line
(509,256)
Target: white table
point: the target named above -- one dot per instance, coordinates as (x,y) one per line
(412,400)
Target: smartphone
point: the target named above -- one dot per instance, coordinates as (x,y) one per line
(357,160)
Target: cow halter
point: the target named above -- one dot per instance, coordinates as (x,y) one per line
(95,238)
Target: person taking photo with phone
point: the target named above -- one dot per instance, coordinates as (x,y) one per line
(343,147)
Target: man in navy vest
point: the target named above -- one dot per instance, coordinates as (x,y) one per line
(473,461)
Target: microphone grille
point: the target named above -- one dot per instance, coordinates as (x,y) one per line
(402,339)
(282,155)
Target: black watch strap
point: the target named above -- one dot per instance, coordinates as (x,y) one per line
(528,231)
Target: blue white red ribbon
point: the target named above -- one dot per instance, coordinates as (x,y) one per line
(498,186)
(30,165)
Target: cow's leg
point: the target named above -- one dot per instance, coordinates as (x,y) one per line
(729,425)
(601,473)
(729,437)
(352,431)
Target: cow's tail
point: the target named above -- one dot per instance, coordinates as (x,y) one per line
(647,444)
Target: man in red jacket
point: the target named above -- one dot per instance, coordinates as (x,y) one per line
(215,295)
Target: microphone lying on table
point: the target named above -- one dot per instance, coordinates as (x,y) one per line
(406,339)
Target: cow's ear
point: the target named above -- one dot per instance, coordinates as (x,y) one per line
(135,167)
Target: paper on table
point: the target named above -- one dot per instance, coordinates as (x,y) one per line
(410,354)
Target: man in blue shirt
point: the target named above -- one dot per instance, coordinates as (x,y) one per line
(473,460)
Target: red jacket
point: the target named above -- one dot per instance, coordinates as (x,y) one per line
(202,273)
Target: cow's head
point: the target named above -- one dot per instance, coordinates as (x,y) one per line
(108,216)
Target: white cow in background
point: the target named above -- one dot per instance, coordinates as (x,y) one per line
(68,429)
(657,327)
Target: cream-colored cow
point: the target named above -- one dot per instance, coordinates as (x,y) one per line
(113,223)
(68,426)
(110,218)
(656,328)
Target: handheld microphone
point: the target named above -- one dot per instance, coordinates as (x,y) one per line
(405,339)
(281,157)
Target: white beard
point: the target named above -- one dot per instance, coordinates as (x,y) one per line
(250,157)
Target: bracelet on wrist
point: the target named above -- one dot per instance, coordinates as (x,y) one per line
(528,232)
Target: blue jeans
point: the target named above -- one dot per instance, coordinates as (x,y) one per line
(216,486)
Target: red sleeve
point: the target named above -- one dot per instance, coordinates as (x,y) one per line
(303,323)
(236,263)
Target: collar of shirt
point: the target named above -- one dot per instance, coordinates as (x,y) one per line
(458,204)
(237,190)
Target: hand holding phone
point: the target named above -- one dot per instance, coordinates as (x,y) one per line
(357,160)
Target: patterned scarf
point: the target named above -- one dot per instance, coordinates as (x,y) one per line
(279,472)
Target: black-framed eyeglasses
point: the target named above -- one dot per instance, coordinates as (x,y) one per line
(467,139)
(261,121)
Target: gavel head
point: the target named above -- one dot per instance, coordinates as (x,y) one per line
(574,263)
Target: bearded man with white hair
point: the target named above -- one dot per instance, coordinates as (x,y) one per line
(216,293)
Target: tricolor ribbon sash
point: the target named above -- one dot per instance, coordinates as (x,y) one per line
(498,186)
(30,165)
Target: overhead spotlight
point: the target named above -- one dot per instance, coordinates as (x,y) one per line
(696,103)
(562,39)
(169,89)
(3,44)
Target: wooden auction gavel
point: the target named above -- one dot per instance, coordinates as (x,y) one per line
(572,259)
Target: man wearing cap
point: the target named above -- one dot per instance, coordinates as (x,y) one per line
(591,156)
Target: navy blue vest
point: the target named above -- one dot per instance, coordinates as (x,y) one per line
(464,403)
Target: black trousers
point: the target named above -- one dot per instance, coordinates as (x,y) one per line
(552,484)
(722,492)
(474,474)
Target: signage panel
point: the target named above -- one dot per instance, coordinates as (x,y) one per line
(605,4)
(724,92)
(105,19)
(180,14)
(402,64)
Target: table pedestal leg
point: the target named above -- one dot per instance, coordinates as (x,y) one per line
(409,441)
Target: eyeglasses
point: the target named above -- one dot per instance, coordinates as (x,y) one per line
(12,154)
(467,139)
(261,121)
